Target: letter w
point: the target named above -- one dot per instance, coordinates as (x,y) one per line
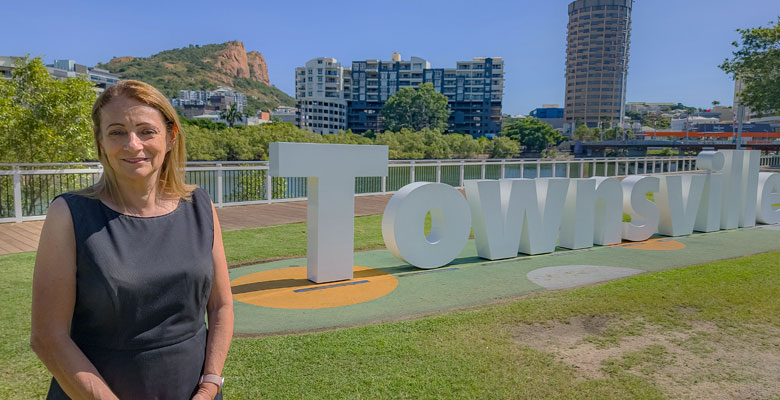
(511,215)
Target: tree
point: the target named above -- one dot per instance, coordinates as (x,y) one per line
(231,115)
(715,103)
(43,119)
(757,63)
(463,146)
(416,109)
(503,147)
(535,135)
(583,133)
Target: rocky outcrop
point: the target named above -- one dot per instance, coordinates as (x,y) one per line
(232,61)
(258,70)
(204,68)
(235,62)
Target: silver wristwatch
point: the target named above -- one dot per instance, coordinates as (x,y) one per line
(211,378)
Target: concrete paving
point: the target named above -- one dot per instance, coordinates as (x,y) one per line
(569,276)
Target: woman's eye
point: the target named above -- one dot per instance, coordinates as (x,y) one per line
(149,131)
(115,133)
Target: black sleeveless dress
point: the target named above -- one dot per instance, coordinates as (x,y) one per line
(142,285)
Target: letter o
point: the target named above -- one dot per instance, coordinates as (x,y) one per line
(403,224)
(768,194)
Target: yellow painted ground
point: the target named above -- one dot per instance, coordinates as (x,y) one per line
(656,244)
(288,288)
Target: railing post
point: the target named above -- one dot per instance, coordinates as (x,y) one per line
(220,189)
(503,169)
(483,169)
(438,171)
(568,169)
(384,184)
(538,169)
(269,193)
(17,193)
(462,173)
(582,169)
(522,169)
(411,172)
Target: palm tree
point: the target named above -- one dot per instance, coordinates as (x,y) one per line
(231,115)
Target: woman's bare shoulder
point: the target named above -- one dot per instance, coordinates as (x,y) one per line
(58,218)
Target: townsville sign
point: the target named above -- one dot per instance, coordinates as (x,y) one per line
(511,216)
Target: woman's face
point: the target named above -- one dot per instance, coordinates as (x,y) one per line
(134,138)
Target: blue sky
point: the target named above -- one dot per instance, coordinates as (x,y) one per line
(675,45)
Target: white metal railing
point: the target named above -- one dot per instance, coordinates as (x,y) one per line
(27,189)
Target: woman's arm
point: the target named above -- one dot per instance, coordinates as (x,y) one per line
(54,296)
(220,314)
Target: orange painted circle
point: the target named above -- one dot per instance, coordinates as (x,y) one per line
(657,244)
(288,288)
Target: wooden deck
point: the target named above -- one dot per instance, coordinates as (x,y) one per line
(23,237)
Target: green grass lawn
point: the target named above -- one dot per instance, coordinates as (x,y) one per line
(468,354)
(274,242)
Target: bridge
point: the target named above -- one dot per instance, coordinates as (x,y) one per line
(683,142)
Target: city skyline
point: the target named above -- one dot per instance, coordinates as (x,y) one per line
(675,46)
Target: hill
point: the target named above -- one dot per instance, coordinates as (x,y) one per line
(205,68)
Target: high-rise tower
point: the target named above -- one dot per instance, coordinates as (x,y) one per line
(597,61)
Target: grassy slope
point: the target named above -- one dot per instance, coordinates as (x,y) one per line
(176,69)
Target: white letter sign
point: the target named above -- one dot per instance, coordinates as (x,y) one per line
(678,201)
(403,224)
(592,214)
(768,194)
(331,170)
(644,213)
(708,216)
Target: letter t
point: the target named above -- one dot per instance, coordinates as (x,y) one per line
(331,170)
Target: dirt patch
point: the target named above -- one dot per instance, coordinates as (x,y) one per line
(703,362)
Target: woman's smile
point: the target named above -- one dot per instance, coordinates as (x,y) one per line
(135,160)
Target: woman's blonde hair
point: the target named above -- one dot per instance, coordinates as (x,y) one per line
(171,179)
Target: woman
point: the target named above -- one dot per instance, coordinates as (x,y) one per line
(127,268)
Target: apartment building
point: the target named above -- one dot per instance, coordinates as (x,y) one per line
(64,69)
(474,91)
(597,61)
(6,66)
(550,114)
(221,98)
(101,78)
(322,88)
(285,114)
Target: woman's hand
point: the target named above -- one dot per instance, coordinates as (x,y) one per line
(206,391)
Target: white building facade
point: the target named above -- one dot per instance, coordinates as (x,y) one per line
(321,87)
